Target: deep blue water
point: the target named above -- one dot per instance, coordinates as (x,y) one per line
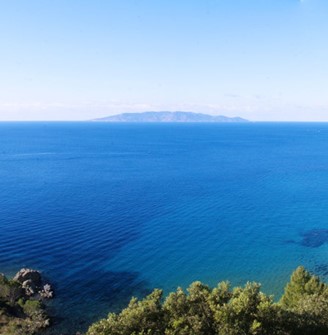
(107,211)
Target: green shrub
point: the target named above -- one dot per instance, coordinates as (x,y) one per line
(303,310)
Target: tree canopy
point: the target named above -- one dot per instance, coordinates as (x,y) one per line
(201,310)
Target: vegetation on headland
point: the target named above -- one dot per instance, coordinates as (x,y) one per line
(20,313)
(302,310)
(201,310)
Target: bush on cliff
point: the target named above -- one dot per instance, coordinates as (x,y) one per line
(302,310)
(19,314)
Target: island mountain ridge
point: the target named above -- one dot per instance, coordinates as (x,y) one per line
(178,116)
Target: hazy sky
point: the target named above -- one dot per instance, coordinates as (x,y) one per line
(81,59)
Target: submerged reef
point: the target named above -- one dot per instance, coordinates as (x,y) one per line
(314,238)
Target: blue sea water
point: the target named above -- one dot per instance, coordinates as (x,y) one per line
(107,211)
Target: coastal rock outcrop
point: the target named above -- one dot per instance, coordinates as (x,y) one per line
(29,287)
(47,292)
(22,305)
(31,281)
(28,274)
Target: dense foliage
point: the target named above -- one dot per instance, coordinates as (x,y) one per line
(19,314)
(302,310)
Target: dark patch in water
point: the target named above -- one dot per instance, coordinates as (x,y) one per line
(321,269)
(79,305)
(314,238)
(290,242)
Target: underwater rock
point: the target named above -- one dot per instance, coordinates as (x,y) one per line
(314,238)
(321,269)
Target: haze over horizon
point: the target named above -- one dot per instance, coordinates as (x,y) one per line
(80,60)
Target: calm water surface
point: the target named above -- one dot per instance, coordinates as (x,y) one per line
(107,211)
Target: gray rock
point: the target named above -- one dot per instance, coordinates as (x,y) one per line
(47,292)
(29,287)
(32,283)
(28,274)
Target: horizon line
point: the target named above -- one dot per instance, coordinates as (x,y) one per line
(169,122)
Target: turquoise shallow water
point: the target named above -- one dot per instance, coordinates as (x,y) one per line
(107,211)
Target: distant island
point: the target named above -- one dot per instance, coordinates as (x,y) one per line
(169,117)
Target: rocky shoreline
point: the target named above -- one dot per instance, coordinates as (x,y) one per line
(22,303)
(32,282)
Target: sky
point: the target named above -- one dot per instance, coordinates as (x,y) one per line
(264,60)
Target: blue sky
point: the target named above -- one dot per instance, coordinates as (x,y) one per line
(78,59)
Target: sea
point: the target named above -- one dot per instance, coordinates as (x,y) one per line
(112,210)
